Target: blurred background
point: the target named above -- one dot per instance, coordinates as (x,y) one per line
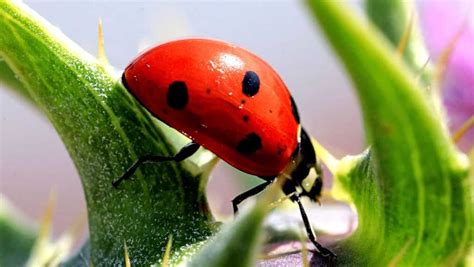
(34,160)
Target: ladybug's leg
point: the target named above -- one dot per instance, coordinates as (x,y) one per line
(309,230)
(252,192)
(184,153)
(289,188)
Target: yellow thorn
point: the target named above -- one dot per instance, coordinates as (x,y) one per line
(47,217)
(402,44)
(166,257)
(101,50)
(42,251)
(443,60)
(327,158)
(459,133)
(125,255)
(61,248)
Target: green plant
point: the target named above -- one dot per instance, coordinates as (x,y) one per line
(411,190)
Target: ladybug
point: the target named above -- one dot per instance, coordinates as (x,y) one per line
(234,104)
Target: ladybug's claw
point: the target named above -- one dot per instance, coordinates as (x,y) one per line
(321,250)
(326,252)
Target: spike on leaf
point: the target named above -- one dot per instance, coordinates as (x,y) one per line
(125,255)
(459,133)
(166,256)
(402,44)
(42,251)
(101,49)
(445,55)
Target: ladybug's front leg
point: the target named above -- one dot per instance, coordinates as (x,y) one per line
(184,153)
(289,188)
(309,230)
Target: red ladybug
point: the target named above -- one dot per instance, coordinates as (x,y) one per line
(234,104)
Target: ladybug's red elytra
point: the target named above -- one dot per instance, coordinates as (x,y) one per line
(234,104)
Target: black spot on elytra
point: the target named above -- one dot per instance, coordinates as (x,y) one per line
(242,101)
(245,118)
(208,91)
(294,110)
(250,83)
(250,144)
(177,96)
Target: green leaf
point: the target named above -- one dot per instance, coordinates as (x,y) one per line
(237,243)
(393,18)
(412,193)
(16,238)
(7,77)
(105,130)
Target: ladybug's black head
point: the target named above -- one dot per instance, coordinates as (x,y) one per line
(301,176)
(315,191)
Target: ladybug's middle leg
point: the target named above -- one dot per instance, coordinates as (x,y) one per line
(251,192)
(184,153)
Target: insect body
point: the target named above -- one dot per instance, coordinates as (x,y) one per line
(231,102)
